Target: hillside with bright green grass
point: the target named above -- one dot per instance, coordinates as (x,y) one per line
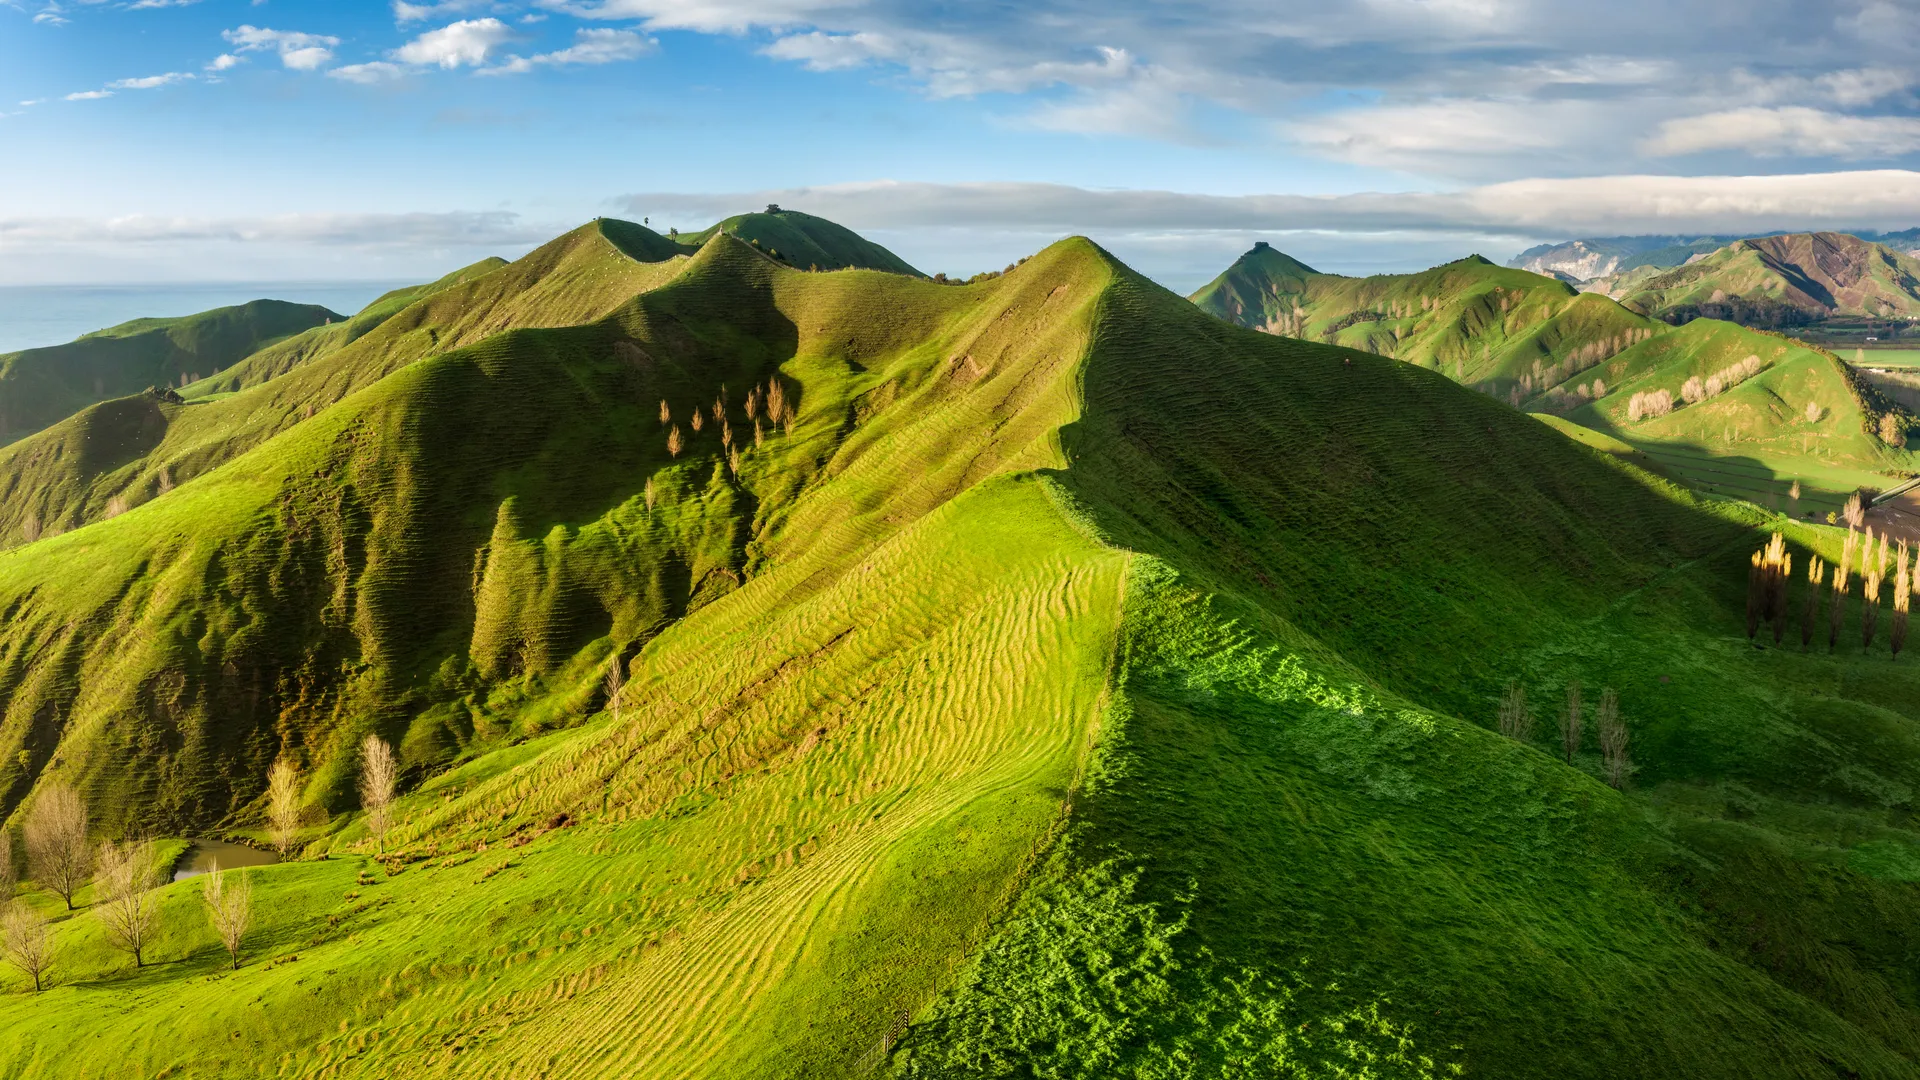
(1789,280)
(39,387)
(1509,333)
(804,242)
(1544,348)
(283,356)
(1073,685)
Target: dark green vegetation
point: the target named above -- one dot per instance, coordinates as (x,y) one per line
(40,386)
(1793,414)
(1075,686)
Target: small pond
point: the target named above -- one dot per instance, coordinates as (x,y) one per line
(201,855)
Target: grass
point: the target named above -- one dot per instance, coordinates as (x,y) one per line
(1104,688)
(41,386)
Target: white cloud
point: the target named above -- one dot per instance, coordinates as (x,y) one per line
(298,51)
(1601,205)
(591,46)
(404,13)
(89,95)
(50,17)
(140,4)
(377,71)
(468,42)
(1795,131)
(151,82)
(1423,136)
(707,16)
(224,62)
(500,227)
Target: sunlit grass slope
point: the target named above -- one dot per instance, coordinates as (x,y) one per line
(805,241)
(40,386)
(283,356)
(1537,344)
(1081,687)
(144,448)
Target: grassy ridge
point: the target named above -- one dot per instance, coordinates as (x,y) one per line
(805,241)
(40,386)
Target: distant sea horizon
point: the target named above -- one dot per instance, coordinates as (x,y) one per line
(35,315)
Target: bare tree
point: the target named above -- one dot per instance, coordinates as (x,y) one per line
(27,941)
(1854,512)
(1516,719)
(379,775)
(616,685)
(1570,722)
(1613,740)
(1837,614)
(283,805)
(1816,573)
(1873,570)
(1902,598)
(229,898)
(57,847)
(124,897)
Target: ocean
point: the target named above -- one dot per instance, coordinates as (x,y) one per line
(33,315)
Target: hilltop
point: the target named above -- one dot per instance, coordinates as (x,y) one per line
(804,241)
(1040,674)
(40,386)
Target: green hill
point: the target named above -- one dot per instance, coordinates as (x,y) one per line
(1541,346)
(1789,280)
(804,241)
(283,356)
(1075,685)
(41,386)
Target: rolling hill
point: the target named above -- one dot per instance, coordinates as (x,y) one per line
(1069,684)
(39,387)
(1615,256)
(804,241)
(1542,346)
(1789,280)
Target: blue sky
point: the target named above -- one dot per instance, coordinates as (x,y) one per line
(234,139)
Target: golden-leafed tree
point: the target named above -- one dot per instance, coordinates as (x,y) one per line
(699,421)
(675,442)
(1613,740)
(1902,598)
(228,895)
(125,900)
(27,940)
(1854,512)
(283,805)
(1837,614)
(666,414)
(57,848)
(616,686)
(379,778)
(1873,570)
(1816,573)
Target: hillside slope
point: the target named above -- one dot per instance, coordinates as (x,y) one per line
(804,241)
(39,387)
(1076,685)
(1786,280)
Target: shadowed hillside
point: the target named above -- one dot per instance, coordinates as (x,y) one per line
(1036,677)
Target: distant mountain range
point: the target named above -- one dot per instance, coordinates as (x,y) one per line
(1600,257)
